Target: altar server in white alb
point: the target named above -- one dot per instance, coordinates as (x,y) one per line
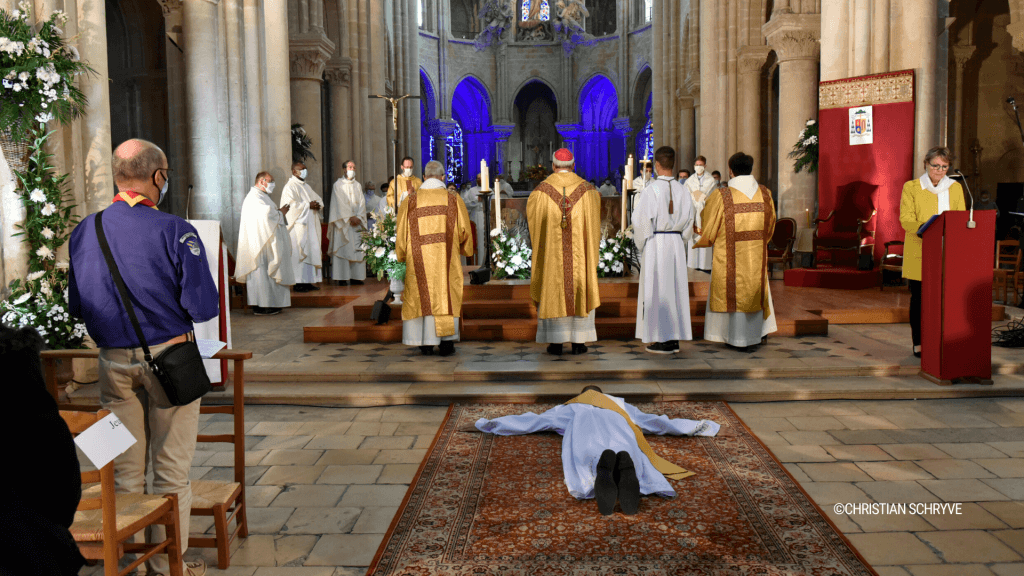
(304,228)
(347,223)
(475,208)
(662,226)
(264,258)
(604,452)
(700,185)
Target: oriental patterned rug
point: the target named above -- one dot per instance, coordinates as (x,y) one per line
(483,504)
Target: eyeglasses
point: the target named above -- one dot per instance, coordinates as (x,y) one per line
(939,167)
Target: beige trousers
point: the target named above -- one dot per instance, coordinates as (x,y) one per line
(165,436)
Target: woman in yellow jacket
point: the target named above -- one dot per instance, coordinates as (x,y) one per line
(933,193)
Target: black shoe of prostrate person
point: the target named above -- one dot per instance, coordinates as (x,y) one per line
(555,349)
(628,484)
(447,348)
(427,350)
(605,490)
(579,348)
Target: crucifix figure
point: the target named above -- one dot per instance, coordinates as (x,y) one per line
(394,100)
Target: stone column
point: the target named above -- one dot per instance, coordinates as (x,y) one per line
(915,45)
(199,31)
(687,142)
(880,23)
(1016,27)
(236,177)
(339,81)
(795,40)
(751,60)
(569,133)
(308,56)
(501,136)
(254,74)
(961,54)
(277,96)
(711,144)
(96,145)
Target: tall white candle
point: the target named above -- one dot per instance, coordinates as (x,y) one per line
(497,204)
(624,194)
(484,179)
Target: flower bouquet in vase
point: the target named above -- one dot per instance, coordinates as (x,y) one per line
(379,247)
(511,255)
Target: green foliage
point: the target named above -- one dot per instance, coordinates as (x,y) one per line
(805,152)
(41,299)
(37,74)
(511,255)
(301,144)
(379,247)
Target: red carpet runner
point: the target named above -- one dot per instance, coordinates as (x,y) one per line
(482,504)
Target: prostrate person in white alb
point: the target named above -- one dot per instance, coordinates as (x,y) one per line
(662,225)
(304,228)
(263,261)
(700,185)
(347,223)
(604,452)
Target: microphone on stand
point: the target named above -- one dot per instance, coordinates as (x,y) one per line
(1012,100)
(970,220)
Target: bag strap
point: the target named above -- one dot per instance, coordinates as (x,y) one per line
(119,282)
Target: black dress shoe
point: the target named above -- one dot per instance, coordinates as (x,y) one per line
(605,490)
(555,349)
(342,282)
(313,287)
(302,288)
(628,484)
(427,350)
(357,282)
(447,348)
(579,348)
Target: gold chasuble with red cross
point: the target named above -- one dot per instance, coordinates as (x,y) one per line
(739,229)
(432,232)
(564,214)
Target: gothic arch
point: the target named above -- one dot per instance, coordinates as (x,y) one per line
(524,84)
(642,85)
(428,95)
(473,101)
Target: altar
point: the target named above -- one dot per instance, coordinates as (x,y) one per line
(513,216)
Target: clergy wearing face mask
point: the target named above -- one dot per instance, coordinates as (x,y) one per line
(700,185)
(164,267)
(933,193)
(304,228)
(263,261)
(345,228)
(405,183)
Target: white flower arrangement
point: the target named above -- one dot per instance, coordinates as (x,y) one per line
(511,255)
(379,247)
(612,252)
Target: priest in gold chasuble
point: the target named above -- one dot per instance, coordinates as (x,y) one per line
(738,221)
(564,215)
(403,185)
(432,232)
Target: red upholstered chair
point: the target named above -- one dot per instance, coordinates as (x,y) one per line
(847,230)
(780,248)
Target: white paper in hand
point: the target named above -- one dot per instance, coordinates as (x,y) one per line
(105,440)
(207,348)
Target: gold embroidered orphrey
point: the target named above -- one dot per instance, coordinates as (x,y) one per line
(873,90)
(731,209)
(567,203)
(445,323)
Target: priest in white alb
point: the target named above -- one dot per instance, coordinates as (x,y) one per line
(304,228)
(345,228)
(431,233)
(263,261)
(662,225)
(700,185)
(475,207)
(738,221)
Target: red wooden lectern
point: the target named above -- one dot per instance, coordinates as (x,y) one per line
(956,299)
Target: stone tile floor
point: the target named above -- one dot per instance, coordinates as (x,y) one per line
(324,483)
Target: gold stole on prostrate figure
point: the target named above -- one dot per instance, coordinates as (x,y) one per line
(599,400)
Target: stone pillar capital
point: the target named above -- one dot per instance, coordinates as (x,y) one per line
(502,132)
(443,127)
(308,55)
(568,131)
(622,126)
(339,72)
(961,54)
(794,36)
(684,101)
(170,6)
(752,58)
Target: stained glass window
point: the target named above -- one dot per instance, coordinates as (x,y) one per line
(648,10)
(430,150)
(646,143)
(454,170)
(545,10)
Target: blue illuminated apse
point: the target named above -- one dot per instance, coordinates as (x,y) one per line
(645,140)
(428,111)
(471,110)
(599,149)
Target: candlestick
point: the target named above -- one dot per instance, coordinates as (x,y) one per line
(497,204)
(807,211)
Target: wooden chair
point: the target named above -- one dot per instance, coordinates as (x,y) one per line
(1007,262)
(846,232)
(105,521)
(892,261)
(225,501)
(780,248)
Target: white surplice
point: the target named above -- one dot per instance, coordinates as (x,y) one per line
(345,248)
(263,261)
(699,188)
(663,302)
(475,208)
(607,190)
(304,230)
(740,329)
(587,431)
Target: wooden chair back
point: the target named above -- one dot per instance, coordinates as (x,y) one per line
(1007,254)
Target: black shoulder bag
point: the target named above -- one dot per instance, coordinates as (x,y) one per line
(179,368)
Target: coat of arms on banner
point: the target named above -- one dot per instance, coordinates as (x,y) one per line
(860,126)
